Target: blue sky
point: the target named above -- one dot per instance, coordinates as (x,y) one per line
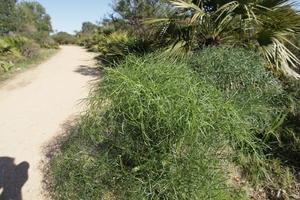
(68,15)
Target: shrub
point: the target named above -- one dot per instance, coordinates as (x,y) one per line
(45,40)
(10,48)
(64,38)
(154,131)
(115,46)
(266,104)
(30,49)
(4,46)
(163,128)
(15,48)
(5,66)
(241,76)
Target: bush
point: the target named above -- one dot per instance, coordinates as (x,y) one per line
(10,48)
(115,46)
(5,66)
(45,40)
(30,49)
(154,131)
(266,104)
(241,76)
(163,128)
(64,38)
(4,46)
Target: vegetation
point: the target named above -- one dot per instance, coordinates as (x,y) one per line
(158,125)
(64,38)
(199,100)
(155,131)
(263,25)
(24,34)
(8,69)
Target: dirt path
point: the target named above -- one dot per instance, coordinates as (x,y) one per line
(33,106)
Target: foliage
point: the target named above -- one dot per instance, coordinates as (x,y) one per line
(15,49)
(64,38)
(89,28)
(240,76)
(32,14)
(10,48)
(18,66)
(115,46)
(134,12)
(266,104)
(7,10)
(5,66)
(154,131)
(87,33)
(263,25)
(26,19)
(156,124)
(113,42)
(45,40)
(30,49)
(129,20)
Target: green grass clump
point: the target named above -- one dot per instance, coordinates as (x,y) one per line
(241,76)
(163,128)
(154,130)
(266,105)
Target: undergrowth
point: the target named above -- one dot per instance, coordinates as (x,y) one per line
(154,131)
(165,128)
(24,64)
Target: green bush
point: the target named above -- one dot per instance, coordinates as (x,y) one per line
(115,46)
(4,46)
(30,49)
(5,66)
(241,76)
(10,48)
(164,128)
(268,105)
(64,38)
(154,131)
(16,48)
(45,40)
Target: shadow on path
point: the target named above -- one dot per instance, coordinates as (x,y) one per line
(12,178)
(88,71)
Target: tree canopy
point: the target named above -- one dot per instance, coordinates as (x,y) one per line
(23,17)
(7,16)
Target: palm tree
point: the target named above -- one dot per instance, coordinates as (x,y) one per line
(265,25)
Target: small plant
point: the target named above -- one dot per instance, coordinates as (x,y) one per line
(6,66)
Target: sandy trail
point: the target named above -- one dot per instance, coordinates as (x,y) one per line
(33,106)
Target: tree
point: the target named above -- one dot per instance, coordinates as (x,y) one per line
(89,27)
(7,16)
(64,38)
(134,12)
(32,14)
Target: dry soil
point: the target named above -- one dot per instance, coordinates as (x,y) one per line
(33,107)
